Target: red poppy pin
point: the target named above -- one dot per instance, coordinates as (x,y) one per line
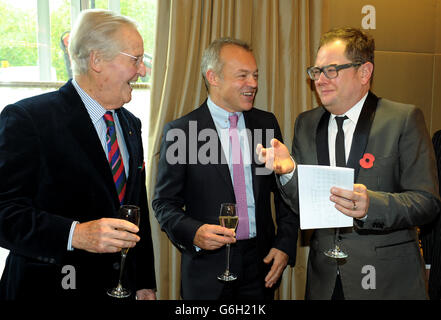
(367,161)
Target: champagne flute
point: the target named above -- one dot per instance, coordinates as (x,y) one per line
(336,252)
(228,219)
(132,214)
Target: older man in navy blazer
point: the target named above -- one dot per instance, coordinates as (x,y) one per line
(59,197)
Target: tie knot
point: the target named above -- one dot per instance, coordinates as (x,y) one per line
(340,121)
(108,118)
(233,121)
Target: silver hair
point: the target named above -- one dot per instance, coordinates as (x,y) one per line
(95,30)
(211,57)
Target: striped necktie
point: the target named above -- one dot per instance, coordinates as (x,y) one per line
(115,158)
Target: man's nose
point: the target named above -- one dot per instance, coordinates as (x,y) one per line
(142,69)
(321,79)
(252,81)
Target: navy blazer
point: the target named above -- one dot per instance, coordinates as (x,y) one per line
(201,188)
(54,171)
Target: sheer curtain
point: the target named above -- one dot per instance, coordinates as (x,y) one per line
(281,33)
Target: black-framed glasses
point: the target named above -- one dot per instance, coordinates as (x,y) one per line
(330,71)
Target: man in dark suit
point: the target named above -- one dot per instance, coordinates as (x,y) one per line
(395,188)
(59,196)
(198,171)
(431,237)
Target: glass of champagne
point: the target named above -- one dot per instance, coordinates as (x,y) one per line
(228,219)
(336,252)
(132,214)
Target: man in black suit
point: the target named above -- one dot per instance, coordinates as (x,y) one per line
(58,197)
(196,174)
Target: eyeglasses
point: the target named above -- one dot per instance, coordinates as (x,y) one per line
(330,71)
(138,60)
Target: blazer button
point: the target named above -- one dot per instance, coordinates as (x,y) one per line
(116,266)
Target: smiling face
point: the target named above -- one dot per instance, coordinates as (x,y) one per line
(234,89)
(340,94)
(114,89)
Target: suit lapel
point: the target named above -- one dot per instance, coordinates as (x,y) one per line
(84,132)
(359,140)
(361,134)
(321,139)
(204,121)
(252,143)
(132,142)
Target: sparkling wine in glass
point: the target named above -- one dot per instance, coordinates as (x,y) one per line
(132,214)
(228,219)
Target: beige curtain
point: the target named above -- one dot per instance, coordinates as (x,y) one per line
(281,33)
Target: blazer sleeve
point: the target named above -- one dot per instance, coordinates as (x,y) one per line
(144,253)
(287,220)
(169,199)
(25,229)
(416,199)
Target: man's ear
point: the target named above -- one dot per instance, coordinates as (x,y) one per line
(366,71)
(95,60)
(212,78)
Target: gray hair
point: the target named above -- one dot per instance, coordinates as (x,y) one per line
(95,30)
(211,57)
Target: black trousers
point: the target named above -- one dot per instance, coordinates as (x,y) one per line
(251,272)
(338,290)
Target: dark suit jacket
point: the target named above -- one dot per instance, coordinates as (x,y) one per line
(201,188)
(403,193)
(431,236)
(53,170)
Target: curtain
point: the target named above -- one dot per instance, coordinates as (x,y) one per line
(280,33)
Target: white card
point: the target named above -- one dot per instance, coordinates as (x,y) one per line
(315,183)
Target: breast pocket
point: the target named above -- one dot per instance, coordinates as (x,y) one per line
(382,175)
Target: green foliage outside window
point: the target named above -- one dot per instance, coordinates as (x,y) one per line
(18,31)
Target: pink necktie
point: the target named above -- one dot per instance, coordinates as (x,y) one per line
(240,192)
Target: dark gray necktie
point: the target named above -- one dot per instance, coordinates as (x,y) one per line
(340,156)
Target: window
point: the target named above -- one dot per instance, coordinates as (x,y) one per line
(35,33)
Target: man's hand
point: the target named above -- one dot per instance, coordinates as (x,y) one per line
(105,235)
(276,158)
(211,237)
(145,294)
(280,260)
(352,203)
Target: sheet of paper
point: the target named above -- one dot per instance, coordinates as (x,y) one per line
(316,209)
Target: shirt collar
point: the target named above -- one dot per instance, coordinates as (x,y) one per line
(220,115)
(95,110)
(353,113)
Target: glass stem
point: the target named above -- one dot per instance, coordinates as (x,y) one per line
(227,271)
(337,236)
(123,260)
